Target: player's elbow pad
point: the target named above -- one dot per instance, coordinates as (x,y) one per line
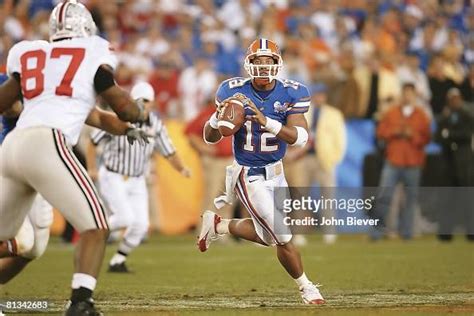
(301,137)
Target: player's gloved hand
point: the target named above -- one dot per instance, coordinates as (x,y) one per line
(137,135)
(144,113)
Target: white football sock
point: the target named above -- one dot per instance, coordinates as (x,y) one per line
(223,226)
(117,259)
(302,280)
(83,280)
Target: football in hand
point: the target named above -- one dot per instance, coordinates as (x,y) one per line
(231,118)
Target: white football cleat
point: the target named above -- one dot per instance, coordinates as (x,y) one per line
(311,295)
(208,230)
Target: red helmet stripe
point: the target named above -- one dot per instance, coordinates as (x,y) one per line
(62,12)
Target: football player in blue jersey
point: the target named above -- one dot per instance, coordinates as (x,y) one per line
(274,110)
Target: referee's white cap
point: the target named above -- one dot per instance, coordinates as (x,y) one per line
(143,90)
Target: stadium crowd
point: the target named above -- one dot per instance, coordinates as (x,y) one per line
(184,48)
(360,53)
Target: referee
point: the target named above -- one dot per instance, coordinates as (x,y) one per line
(121,176)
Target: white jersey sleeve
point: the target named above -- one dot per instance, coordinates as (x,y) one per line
(13,59)
(104,53)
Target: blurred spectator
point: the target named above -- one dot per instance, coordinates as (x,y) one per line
(214,159)
(405,130)
(152,44)
(313,49)
(431,38)
(468,54)
(455,133)
(317,161)
(140,64)
(467,87)
(195,85)
(325,148)
(409,72)
(379,86)
(345,91)
(386,41)
(439,84)
(237,14)
(164,81)
(412,18)
(294,69)
(364,48)
(452,67)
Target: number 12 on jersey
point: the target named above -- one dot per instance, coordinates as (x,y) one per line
(35,72)
(265,137)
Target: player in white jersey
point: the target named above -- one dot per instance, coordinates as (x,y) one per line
(32,239)
(59,82)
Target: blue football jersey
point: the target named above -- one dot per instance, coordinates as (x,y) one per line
(252,145)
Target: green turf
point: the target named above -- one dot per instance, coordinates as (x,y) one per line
(421,277)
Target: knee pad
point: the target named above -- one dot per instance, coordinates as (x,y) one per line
(41,213)
(25,238)
(41,218)
(41,238)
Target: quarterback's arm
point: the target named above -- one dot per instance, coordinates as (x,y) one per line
(107,121)
(10,92)
(119,100)
(291,132)
(211,135)
(211,132)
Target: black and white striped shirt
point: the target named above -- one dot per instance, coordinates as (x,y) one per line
(132,160)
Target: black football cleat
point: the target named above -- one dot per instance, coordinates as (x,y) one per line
(82,308)
(119,268)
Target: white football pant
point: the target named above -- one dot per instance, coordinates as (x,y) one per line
(38,159)
(127,201)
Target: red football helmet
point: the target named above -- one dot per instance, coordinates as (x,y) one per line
(263,47)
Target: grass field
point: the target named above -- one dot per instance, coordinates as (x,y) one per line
(421,277)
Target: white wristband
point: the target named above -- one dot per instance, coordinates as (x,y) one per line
(273,126)
(301,137)
(213,121)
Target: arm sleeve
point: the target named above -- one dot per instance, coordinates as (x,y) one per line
(13,60)
(104,53)
(422,133)
(163,142)
(222,92)
(387,127)
(97,135)
(302,100)
(103,80)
